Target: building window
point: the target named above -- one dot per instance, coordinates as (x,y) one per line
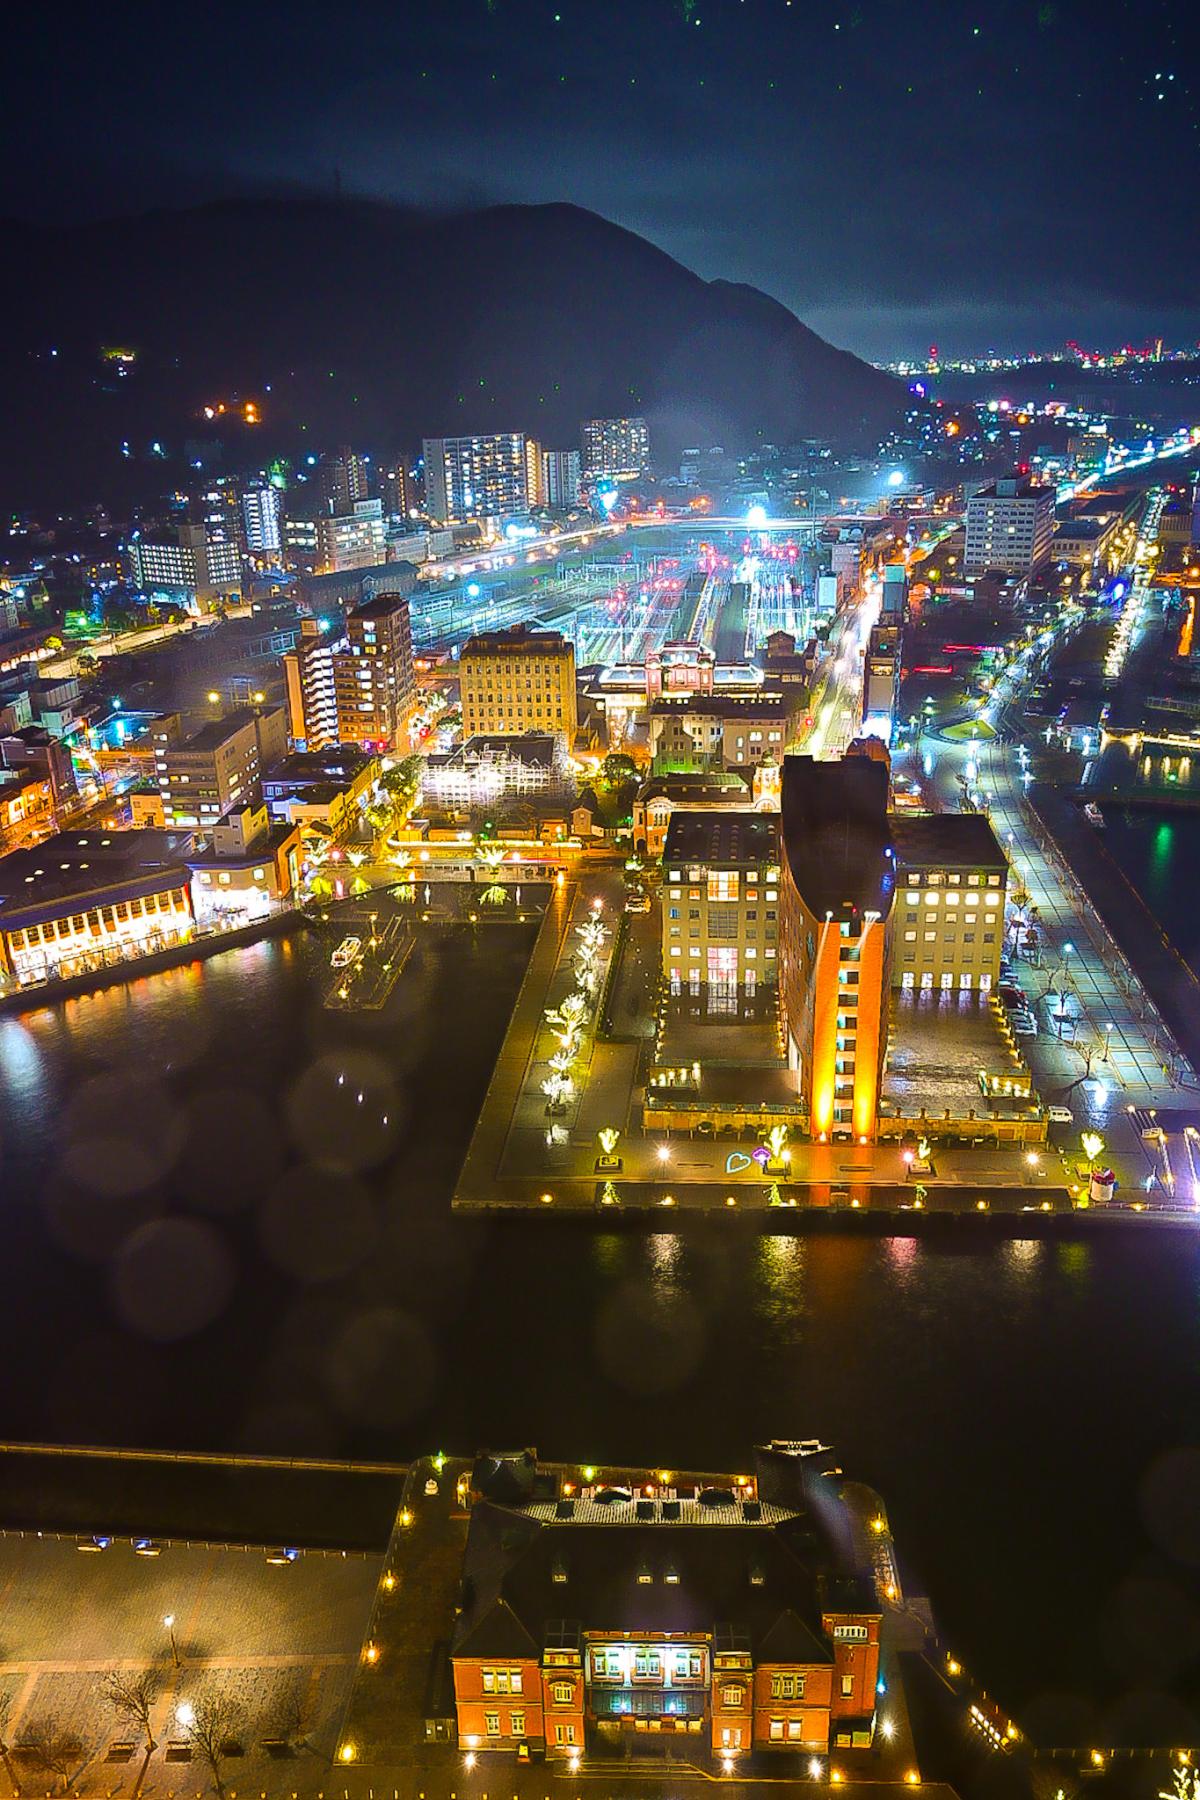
(787,1687)
(516,1723)
(491,1724)
(722,884)
(795,1729)
(732,1696)
(847,1686)
(563,1693)
(776,1731)
(564,1734)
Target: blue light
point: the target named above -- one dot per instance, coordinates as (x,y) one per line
(473,590)
(896,478)
(757,516)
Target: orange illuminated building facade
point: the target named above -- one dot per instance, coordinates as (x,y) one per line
(837,890)
(623,1608)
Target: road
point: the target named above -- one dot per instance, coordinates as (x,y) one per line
(1102,1049)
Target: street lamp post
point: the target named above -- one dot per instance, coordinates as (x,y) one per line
(169,1622)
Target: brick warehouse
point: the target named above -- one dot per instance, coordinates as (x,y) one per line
(654,1607)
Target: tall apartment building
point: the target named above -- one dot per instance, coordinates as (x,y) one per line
(563,476)
(353,540)
(487,477)
(262,519)
(300,538)
(342,481)
(357,689)
(720,902)
(201,776)
(192,562)
(617,447)
(516,681)
(948,925)
(397,491)
(1009,526)
(373,680)
(309,690)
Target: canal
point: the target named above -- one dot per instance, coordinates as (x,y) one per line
(225,1214)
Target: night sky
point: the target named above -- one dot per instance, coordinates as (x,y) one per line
(1012,174)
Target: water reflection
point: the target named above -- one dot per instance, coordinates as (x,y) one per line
(665,1250)
(780,1267)
(21,1068)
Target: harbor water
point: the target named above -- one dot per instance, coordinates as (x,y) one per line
(226,1224)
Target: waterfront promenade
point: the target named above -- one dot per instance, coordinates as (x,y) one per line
(518,1163)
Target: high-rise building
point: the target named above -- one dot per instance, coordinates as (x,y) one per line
(397,491)
(617,447)
(308,685)
(193,563)
(201,776)
(353,540)
(262,519)
(1010,527)
(516,681)
(358,689)
(489,477)
(837,888)
(563,473)
(373,680)
(299,539)
(342,481)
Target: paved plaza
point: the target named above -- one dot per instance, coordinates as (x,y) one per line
(277,1644)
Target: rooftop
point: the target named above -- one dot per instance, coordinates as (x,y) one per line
(309,768)
(745,703)
(836,839)
(36,883)
(946,840)
(517,637)
(712,788)
(215,732)
(380,606)
(721,837)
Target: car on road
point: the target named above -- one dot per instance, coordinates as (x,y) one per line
(1060,1115)
(1024,1028)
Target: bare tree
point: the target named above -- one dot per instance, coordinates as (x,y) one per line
(6,1701)
(55,1749)
(292,1717)
(213,1725)
(133,1697)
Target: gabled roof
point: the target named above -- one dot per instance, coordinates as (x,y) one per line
(498,1633)
(790,1640)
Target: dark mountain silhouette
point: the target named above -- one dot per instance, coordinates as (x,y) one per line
(373,325)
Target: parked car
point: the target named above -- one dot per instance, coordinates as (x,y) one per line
(1060,1115)
(1024,1028)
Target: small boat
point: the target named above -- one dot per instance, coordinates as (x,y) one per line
(1093,815)
(347,953)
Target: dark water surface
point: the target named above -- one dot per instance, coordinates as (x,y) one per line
(212,1238)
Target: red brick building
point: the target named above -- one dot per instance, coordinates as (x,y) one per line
(659,1607)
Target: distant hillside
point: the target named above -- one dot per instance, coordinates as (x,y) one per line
(375,325)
